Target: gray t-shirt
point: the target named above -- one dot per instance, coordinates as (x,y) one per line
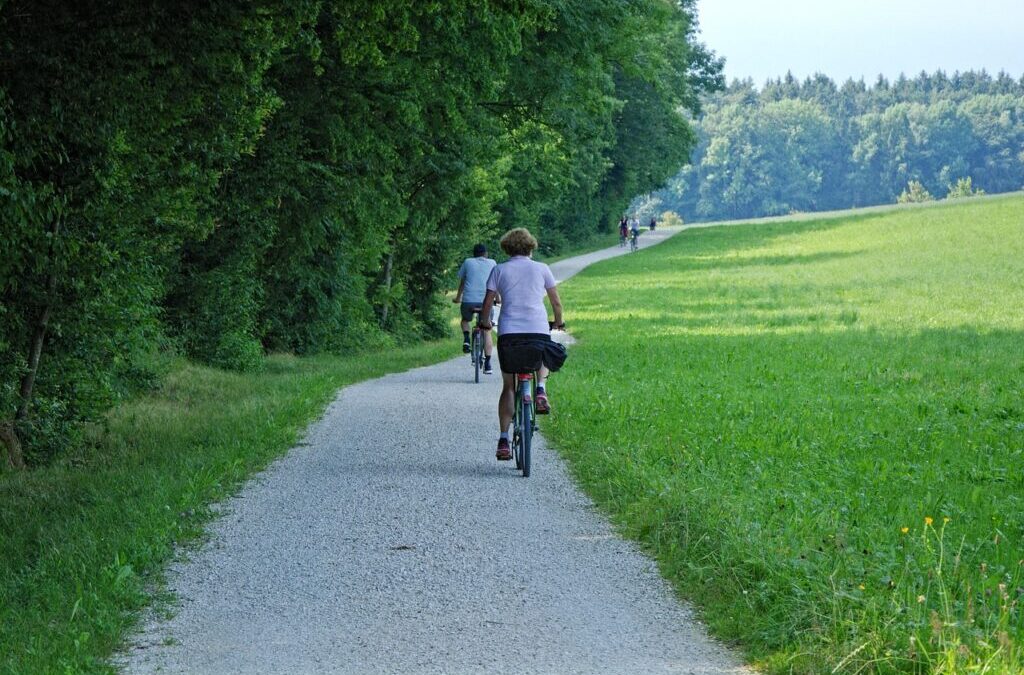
(475,271)
(522,284)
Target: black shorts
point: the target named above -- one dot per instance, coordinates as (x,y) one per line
(468,309)
(527,352)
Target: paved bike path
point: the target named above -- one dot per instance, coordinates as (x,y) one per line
(392,541)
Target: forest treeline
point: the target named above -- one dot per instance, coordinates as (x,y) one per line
(230,178)
(812,145)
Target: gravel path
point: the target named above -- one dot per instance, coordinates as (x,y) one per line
(391,541)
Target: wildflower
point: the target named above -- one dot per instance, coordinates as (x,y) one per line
(920,599)
(904,530)
(928,520)
(945,520)
(861,587)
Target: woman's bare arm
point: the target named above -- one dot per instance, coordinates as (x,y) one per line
(556,306)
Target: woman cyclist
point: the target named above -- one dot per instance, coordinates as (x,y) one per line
(524,334)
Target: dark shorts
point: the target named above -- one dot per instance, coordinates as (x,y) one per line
(468,309)
(527,352)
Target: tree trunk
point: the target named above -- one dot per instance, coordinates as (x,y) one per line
(387,290)
(9,438)
(8,434)
(36,351)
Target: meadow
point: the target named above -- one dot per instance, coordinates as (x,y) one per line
(817,427)
(83,542)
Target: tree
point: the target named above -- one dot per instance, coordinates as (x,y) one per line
(113,165)
(914,194)
(963,188)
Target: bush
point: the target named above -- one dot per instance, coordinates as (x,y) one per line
(671,219)
(963,188)
(915,193)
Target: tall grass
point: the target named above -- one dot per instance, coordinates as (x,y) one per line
(818,429)
(82,543)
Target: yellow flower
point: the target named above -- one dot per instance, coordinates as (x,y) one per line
(945,519)
(861,587)
(920,599)
(928,520)
(904,530)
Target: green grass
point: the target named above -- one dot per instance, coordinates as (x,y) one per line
(817,427)
(83,543)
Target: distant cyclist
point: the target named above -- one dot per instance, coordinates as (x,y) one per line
(524,340)
(634,232)
(653,224)
(470,297)
(623,231)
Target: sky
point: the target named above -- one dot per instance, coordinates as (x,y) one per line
(863,38)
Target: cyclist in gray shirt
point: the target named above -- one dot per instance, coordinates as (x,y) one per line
(470,297)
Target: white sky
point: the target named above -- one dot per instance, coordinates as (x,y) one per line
(854,38)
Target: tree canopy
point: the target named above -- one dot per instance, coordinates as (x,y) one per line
(229,178)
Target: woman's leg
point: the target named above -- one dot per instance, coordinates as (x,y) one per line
(541,404)
(507,403)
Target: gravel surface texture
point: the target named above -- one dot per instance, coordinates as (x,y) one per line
(392,541)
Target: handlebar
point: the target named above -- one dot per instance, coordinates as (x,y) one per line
(551,324)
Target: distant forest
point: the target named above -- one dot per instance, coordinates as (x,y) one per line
(806,146)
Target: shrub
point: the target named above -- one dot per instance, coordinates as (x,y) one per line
(963,188)
(915,193)
(671,219)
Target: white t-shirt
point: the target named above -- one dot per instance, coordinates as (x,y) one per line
(522,284)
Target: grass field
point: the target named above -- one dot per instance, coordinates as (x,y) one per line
(83,543)
(817,427)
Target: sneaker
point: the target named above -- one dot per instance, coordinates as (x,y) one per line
(542,406)
(504,452)
(465,347)
(487,366)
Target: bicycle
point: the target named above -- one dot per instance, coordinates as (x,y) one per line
(634,242)
(524,417)
(476,351)
(476,348)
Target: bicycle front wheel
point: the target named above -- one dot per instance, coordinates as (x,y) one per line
(477,355)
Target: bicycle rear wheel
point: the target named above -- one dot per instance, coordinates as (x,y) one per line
(527,441)
(517,428)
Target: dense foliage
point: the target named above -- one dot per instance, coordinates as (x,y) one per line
(239,177)
(812,145)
